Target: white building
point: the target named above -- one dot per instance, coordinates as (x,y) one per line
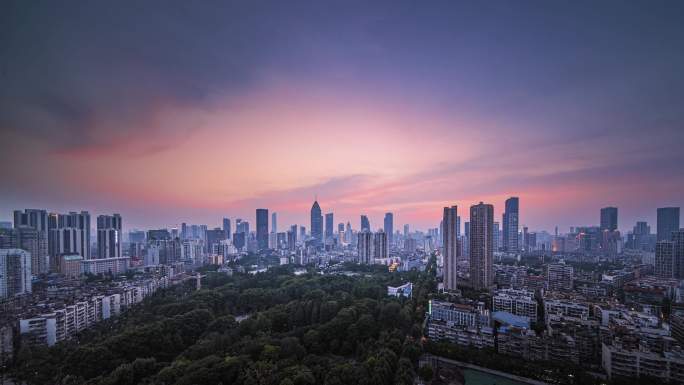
(517,302)
(404,290)
(106,265)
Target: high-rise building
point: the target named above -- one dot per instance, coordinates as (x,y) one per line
(33,218)
(497,236)
(406,230)
(214,237)
(511,218)
(15,272)
(68,234)
(109,236)
(316,224)
(274,222)
(226,228)
(380,245)
(664,259)
(348,233)
(262,228)
(668,221)
(678,253)
(365,247)
(389,227)
(329,225)
(481,245)
(559,277)
(36,244)
(609,218)
(450,247)
(365,223)
(239,240)
(32,236)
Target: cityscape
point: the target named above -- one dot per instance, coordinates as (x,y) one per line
(300,193)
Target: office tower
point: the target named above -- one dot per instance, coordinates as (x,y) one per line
(328,225)
(348,233)
(109,236)
(389,227)
(15,272)
(380,245)
(640,238)
(158,235)
(497,236)
(668,221)
(664,259)
(609,218)
(559,277)
(262,228)
(292,238)
(316,224)
(532,242)
(302,233)
(511,218)
(136,236)
(481,245)
(406,230)
(226,227)
(365,223)
(214,237)
(239,240)
(274,222)
(340,228)
(450,247)
(678,253)
(365,247)
(524,238)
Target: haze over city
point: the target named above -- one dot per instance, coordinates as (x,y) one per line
(168,112)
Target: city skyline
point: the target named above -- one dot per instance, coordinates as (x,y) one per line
(477,106)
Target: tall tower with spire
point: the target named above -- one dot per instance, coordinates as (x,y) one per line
(316,223)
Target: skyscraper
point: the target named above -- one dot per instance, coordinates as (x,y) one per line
(668,221)
(609,218)
(33,218)
(274,222)
(365,247)
(316,223)
(69,233)
(32,236)
(15,272)
(481,245)
(365,223)
(678,253)
(109,236)
(329,225)
(497,236)
(389,227)
(450,247)
(262,228)
(664,259)
(511,218)
(226,228)
(380,245)
(292,238)
(406,230)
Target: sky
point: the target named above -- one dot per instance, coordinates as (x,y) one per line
(176,111)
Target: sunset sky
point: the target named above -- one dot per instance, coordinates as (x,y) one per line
(191,111)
